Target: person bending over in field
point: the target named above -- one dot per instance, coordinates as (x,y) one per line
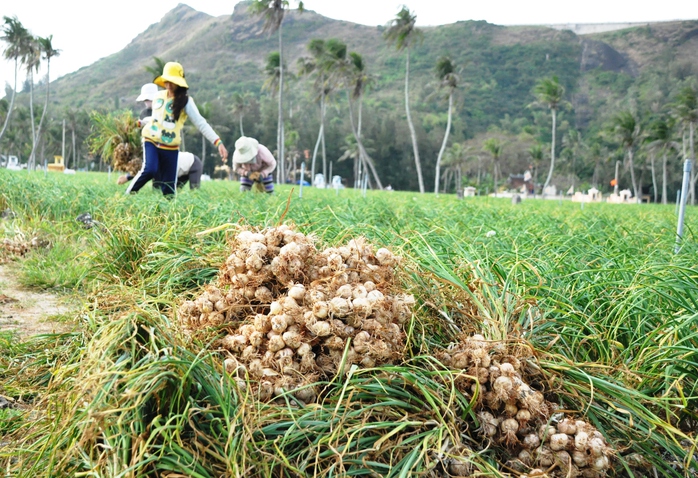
(163,134)
(148,93)
(189,169)
(254,163)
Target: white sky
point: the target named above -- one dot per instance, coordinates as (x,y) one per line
(87,30)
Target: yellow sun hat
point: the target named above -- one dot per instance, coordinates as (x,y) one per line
(172,72)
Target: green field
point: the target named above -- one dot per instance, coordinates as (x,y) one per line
(592,299)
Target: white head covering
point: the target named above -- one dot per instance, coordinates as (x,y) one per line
(245,150)
(148,92)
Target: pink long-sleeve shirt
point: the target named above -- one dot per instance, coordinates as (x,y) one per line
(265,163)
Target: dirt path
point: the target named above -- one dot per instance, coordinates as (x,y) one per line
(25,311)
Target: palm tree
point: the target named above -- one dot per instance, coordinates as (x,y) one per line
(354,150)
(293,154)
(535,152)
(454,159)
(3,107)
(495,147)
(573,146)
(351,149)
(445,72)
(15,36)
(274,73)
(32,60)
(156,70)
(317,65)
(357,80)
(596,153)
(403,32)
(661,141)
(48,52)
(241,103)
(272,70)
(685,109)
(273,12)
(549,92)
(627,131)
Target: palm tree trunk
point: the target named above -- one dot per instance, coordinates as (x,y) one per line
(479,170)
(552,151)
(654,178)
(413,134)
(317,146)
(363,154)
(280,133)
(358,125)
(494,176)
(283,149)
(75,152)
(664,198)
(43,113)
(12,102)
(459,182)
(632,174)
(242,133)
(31,116)
(694,177)
(317,143)
(358,135)
(443,144)
(595,176)
(322,136)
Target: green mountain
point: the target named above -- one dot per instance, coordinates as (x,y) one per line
(640,68)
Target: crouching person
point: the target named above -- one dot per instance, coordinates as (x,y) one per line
(189,169)
(254,163)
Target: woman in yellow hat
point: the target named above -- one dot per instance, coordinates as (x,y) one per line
(163,134)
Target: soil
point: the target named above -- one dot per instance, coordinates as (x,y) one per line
(27,312)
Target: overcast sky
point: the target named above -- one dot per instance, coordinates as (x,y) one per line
(86,31)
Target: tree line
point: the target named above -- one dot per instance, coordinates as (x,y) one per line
(324,113)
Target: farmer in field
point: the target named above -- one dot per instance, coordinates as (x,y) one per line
(148,92)
(189,169)
(254,163)
(163,135)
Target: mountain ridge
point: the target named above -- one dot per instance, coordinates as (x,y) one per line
(217,48)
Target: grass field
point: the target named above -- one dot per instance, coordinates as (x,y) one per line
(595,294)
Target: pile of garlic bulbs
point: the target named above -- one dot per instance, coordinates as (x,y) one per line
(19,246)
(514,415)
(294,314)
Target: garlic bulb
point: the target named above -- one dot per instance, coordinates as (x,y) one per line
(509,428)
(345,291)
(292,339)
(567,426)
(321,328)
(297,292)
(559,441)
(531,441)
(340,307)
